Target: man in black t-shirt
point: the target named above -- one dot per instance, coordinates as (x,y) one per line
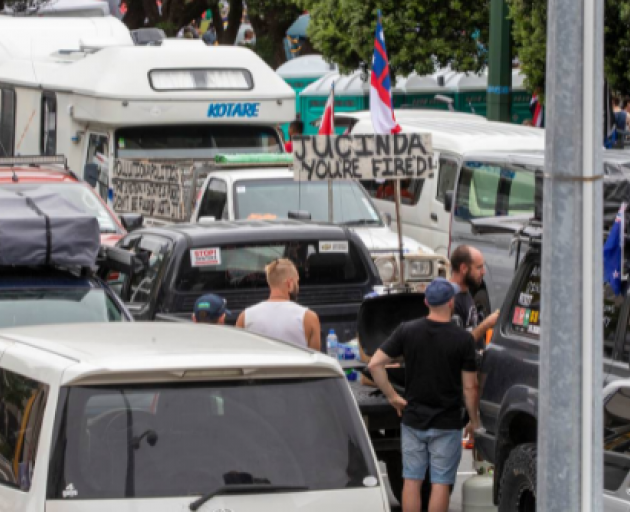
(468,268)
(440,367)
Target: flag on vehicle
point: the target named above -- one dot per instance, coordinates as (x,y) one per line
(538,113)
(381,106)
(327,125)
(613,252)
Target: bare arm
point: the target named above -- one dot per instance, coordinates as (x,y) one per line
(241,320)
(312,329)
(379,374)
(480,331)
(471,397)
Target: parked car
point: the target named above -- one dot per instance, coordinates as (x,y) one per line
(149,417)
(50,174)
(185,261)
(245,191)
(509,386)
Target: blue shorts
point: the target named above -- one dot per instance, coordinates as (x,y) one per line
(441,449)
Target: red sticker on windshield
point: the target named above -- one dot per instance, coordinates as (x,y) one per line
(205,257)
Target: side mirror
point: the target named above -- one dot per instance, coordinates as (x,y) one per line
(131,221)
(387,217)
(448,200)
(91,173)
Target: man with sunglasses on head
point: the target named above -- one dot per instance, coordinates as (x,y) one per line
(280,316)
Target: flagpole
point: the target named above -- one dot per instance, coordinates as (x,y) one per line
(330,183)
(397,194)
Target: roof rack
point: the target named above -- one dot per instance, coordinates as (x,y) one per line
(33,160)
(254,160)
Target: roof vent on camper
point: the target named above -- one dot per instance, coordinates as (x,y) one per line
(148,36)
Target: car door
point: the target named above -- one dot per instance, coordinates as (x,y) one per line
(617,447)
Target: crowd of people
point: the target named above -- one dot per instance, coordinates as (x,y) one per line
(441,354)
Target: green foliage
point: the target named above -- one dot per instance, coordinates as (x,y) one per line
(529,28)
(169,28)
(418,33)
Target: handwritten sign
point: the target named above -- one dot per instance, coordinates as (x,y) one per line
(362,157)
(154,189)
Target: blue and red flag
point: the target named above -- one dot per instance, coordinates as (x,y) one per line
(613,252)
(381,105)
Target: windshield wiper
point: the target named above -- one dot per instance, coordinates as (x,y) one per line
(359,222)
(245,489)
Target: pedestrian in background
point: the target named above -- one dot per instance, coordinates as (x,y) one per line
(468,268)
(280,316)
(210,309)
(210,36)
(440,366)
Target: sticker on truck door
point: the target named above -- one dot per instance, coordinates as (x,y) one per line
(336,246)
(209,257)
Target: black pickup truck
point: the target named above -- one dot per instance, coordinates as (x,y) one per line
(509,394)
(184,261)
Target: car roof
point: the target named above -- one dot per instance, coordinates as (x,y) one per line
(251,230)
(462,135)
(156,351)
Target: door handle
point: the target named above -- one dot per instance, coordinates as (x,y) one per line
(434,217)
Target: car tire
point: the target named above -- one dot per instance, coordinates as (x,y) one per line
(482,302)
(518,480)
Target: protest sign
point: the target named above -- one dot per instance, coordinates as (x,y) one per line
(362,157)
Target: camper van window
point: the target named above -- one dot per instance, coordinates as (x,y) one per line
(410,190)
(49,124)
(22,405)
(7,121)
(195,141)
(446,178)
(214,203)
(98,153)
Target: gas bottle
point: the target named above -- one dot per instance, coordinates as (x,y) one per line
(477,491)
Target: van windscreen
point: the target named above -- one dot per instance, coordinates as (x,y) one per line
(176,440)
(195,141)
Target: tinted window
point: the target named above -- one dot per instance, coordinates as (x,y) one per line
(48,140)
(195,141)
(32,306)
(7,121)
(273,199)
(243,266)
(22,404)
(185,440)
(490,190)
(214,202)
(616,439)
(410,190)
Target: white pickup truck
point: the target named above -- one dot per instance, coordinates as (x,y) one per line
(249,191)
(159,417)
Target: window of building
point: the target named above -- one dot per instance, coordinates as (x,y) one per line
(7,121)
(49,124)
(22,405)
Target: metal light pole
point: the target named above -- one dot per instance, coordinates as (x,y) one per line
(570,460)
(499,96)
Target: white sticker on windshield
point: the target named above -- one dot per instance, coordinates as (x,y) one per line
(370,481)
(337,246)
(70,491)
(205,257)
(373,214)
(240,190)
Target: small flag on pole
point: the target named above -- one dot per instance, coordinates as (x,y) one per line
(537,111)
(327,125)
(381,105)
(613,252)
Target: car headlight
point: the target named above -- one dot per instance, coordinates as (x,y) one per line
(386,269)
(418,269)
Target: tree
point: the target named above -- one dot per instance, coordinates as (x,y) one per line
(419,34)
(529,28)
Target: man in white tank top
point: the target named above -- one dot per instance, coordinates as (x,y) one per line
(281,317)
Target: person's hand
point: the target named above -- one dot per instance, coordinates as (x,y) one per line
(492,319)
(470,429)
(398,403)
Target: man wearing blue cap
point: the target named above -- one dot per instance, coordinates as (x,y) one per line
(440,366)
(210,309)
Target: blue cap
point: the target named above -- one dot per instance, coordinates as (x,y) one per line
(440,291)
(210,308)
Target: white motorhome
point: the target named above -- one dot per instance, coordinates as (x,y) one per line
(79,87)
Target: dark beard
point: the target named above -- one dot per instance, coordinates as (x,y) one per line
(470,282)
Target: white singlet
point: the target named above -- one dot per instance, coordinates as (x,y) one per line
(281,320)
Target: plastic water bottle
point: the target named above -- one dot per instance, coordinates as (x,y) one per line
(354,349)
(332,345)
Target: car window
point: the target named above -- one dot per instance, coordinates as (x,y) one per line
(237,267)
(617,439)
(214,201)
(22,405)
(410,190)
(446,178)
(490,190)
(148,441)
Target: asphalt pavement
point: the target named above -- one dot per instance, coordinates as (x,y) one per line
(464,472)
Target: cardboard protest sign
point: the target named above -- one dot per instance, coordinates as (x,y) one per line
(362,157)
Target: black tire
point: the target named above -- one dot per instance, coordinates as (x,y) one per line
(518,480)
(482,302)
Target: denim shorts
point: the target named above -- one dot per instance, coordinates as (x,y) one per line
(439,449)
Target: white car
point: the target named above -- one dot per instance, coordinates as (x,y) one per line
(271,193)
(160,417)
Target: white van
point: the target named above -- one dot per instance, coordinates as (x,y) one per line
(469,179)
(170,417)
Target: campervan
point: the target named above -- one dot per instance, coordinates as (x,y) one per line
(81,88)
